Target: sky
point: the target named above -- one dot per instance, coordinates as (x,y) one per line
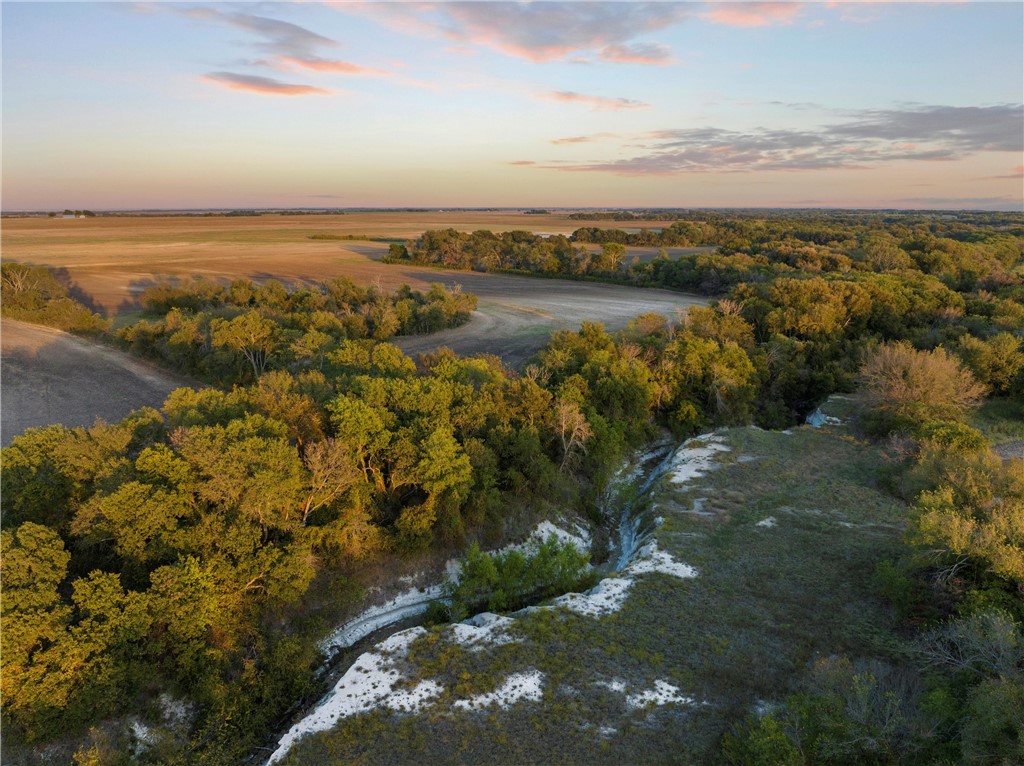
(179,105)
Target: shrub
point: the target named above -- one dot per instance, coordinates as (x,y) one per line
(905,386)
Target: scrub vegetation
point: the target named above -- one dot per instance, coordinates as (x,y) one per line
(189,558)
(33,294)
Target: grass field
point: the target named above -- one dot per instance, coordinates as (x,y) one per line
(785,536)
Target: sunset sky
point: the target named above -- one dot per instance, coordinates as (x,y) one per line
(183,105)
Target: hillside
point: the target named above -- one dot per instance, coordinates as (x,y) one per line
(758,568)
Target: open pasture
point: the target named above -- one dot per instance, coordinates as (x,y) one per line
(109,261)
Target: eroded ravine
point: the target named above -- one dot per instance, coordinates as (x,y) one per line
(361,640)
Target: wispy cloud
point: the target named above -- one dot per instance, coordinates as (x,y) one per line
(865,139)
(968,128)
(334,66)
(798,106)
(263,85)
(752,14)
(596,103)
(538,32)
(1016,174)
(284,45)
(522,162)
(276,37)
(584,139)
(639,53)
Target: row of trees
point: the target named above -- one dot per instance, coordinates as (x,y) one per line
(520,251)
(963,258)
(224,333)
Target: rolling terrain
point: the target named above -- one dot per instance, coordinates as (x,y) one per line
(50,377)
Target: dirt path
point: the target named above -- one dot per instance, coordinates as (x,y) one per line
(1010,450)
(48,376)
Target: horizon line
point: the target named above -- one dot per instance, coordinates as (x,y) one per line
(244,210)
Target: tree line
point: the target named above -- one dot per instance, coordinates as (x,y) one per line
(223,333)
(964,254)
(34,294)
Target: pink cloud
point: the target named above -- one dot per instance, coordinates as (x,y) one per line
(522,162)
(262,85)
(1015,174)
(538,32)
(752,14)
(330,65)
(597,103)
(583,139)
(640,53)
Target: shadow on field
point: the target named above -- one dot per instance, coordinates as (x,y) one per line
(53,377)
(63,277)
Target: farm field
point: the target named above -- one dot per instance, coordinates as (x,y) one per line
(52,377)
(111,260)
(108,262)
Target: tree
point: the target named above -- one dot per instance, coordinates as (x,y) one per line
(444,472)
(998,361)
(251,334)
(33,564)
(978,516)
(313,345)
(332,472)
(246,467)
(573,429)
(904,385)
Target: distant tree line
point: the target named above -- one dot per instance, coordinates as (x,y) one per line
(964,255)
(628,215)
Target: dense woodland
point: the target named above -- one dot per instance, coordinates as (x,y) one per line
(177,552)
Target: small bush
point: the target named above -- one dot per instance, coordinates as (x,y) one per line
(501,582)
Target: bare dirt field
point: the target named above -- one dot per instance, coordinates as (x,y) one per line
(516,315)
(50,377)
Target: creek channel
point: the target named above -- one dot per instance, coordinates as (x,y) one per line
(622,503)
